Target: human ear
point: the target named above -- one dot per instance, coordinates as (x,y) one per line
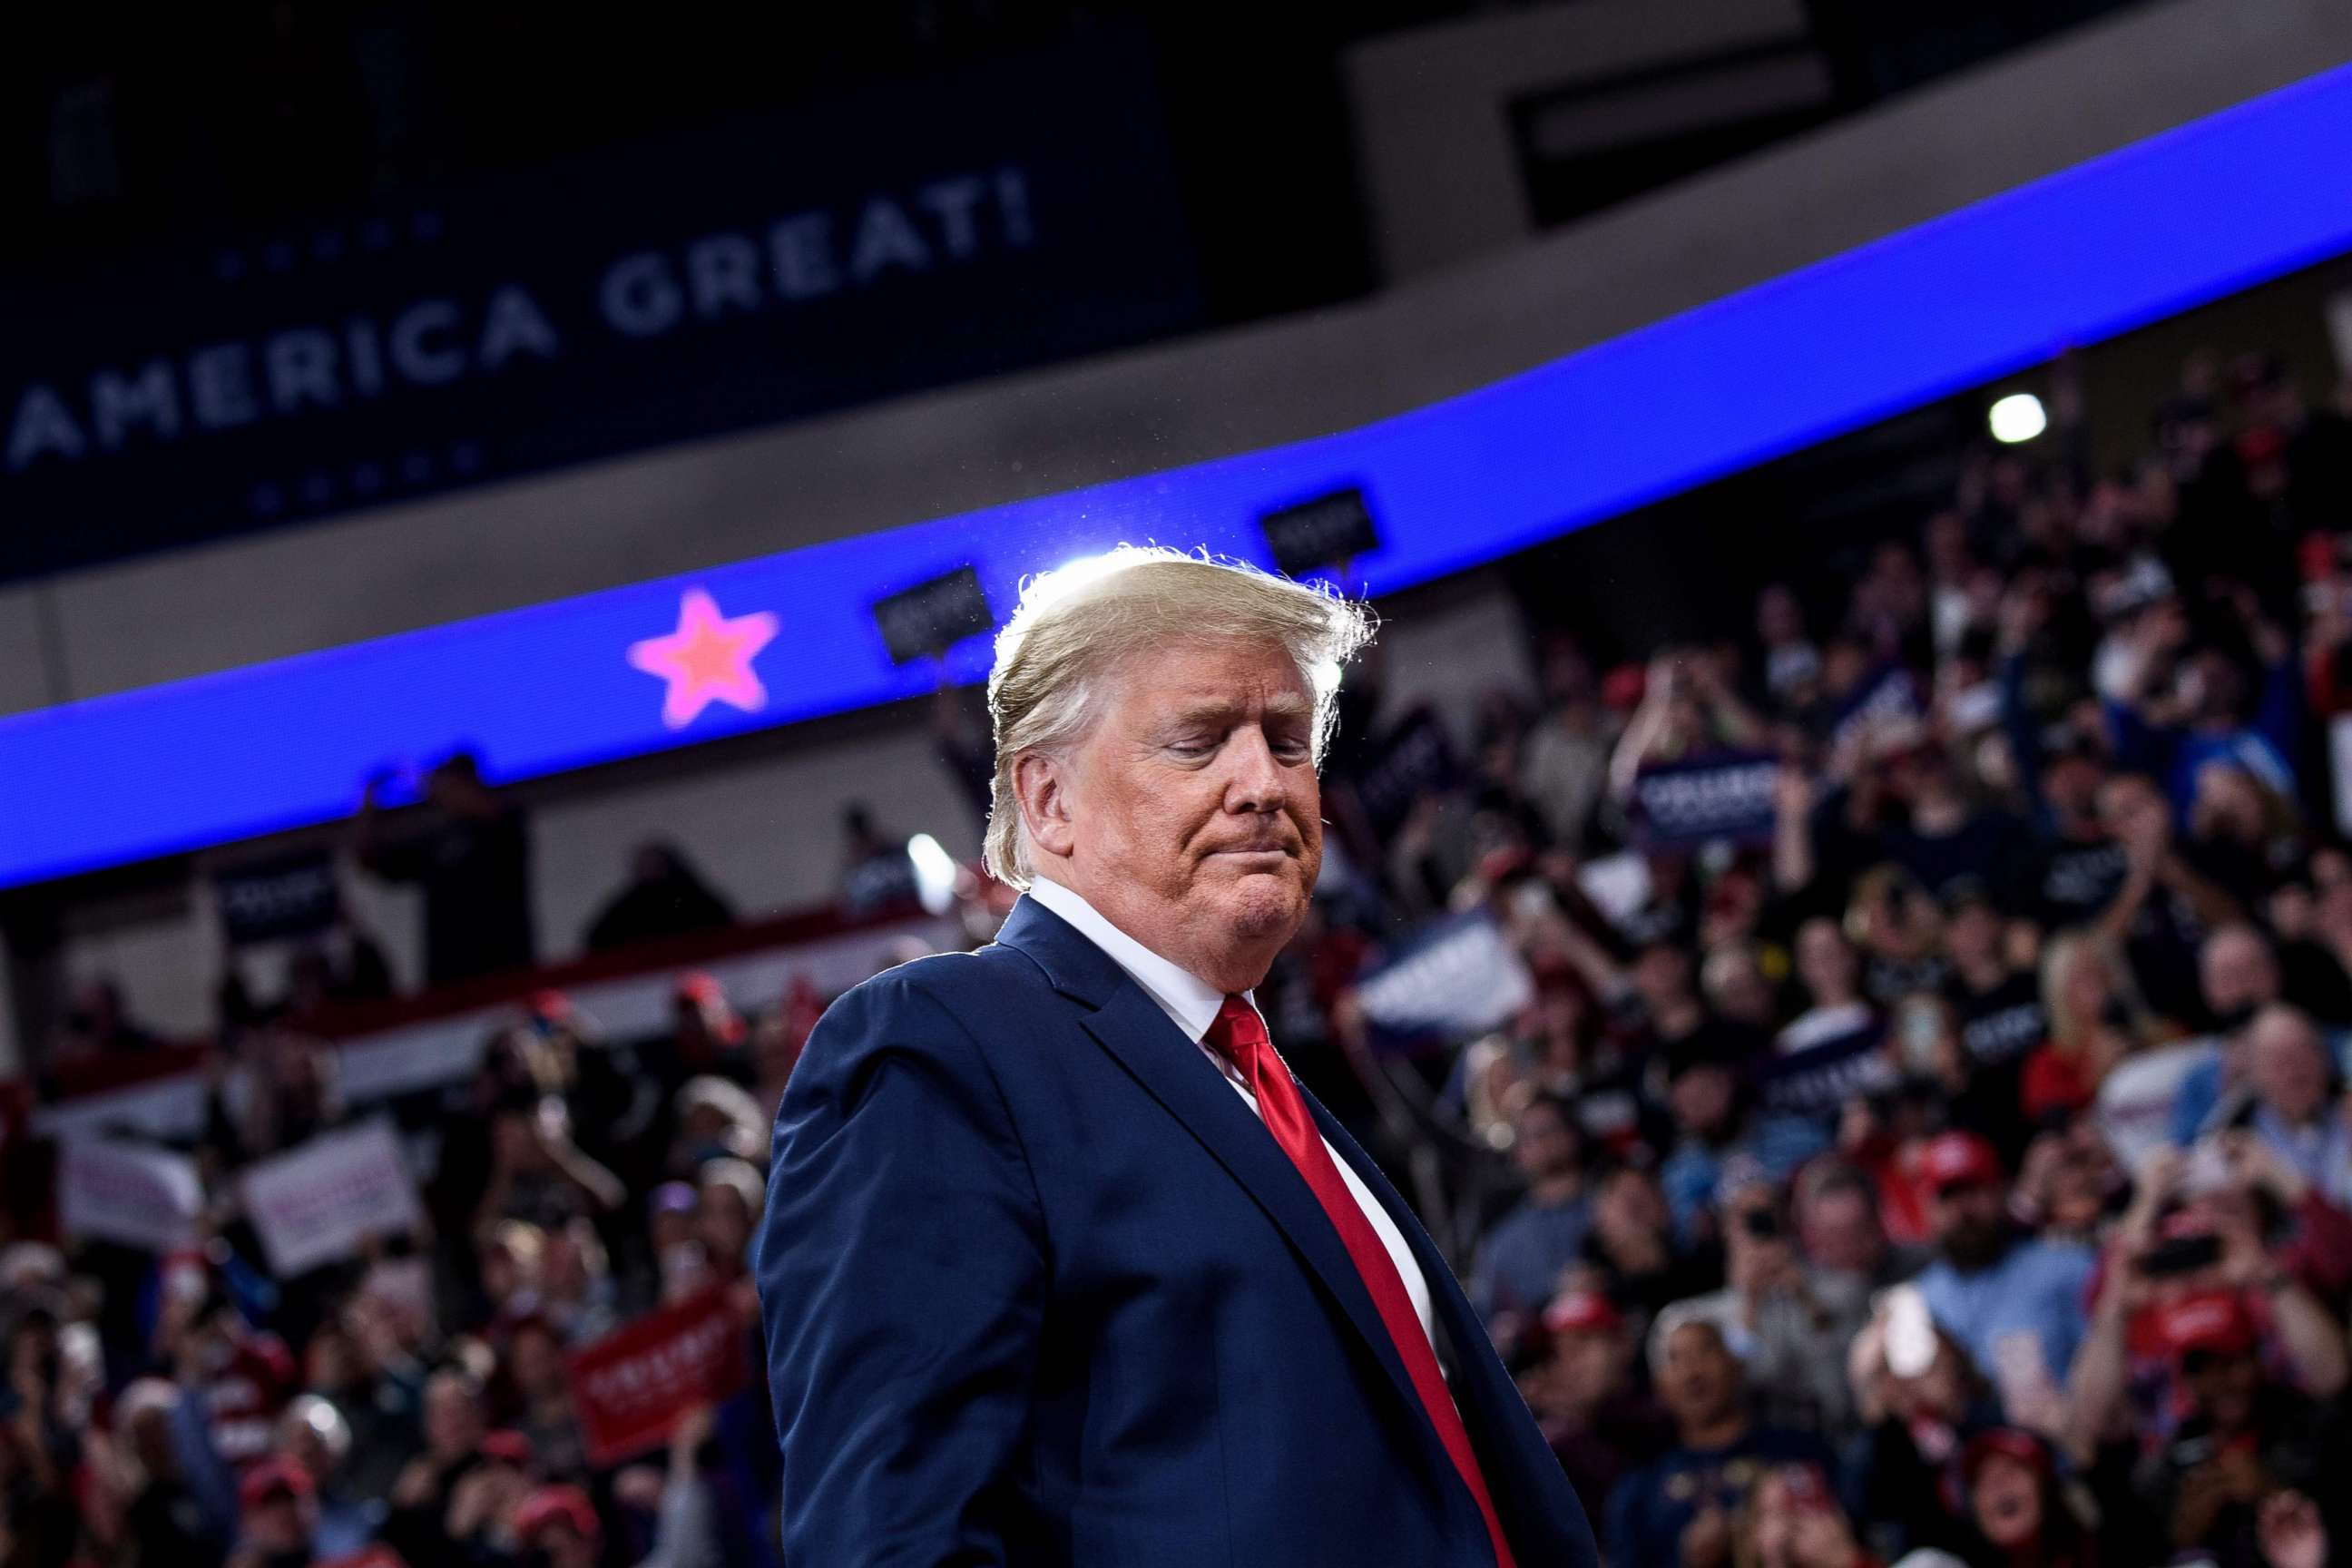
(1041,784)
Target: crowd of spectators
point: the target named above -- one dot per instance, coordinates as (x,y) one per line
(1921,1137)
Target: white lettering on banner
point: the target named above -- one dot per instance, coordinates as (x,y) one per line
(955,202)
(887,237)
(661,1367)
(367,362)
(43,424)
(300,365)
(410,354)
(639,297)
(259,900)
(723,270)
(435,341)
(218,389)
(1702,798)
(116,404)
(1012,195)
(800,251)
(512,324)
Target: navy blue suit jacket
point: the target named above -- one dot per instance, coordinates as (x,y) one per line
(1039,1288)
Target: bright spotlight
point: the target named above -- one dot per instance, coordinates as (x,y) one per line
(935,873)
(2018,417)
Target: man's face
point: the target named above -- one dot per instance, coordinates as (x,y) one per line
(453,1419)
(2126,803)
(537,1361)
(1545,1145)
(1591,1365)
(1842,1233)
(2236,973)
(2289,1066)
(1966,1218)
(564,1547)
(1701,1099)
(1973,934)
(1823,961)
(2007,1500)
(1191,812)
(2223,1388)
(278,1525)
(1661,976)
(1699,1380)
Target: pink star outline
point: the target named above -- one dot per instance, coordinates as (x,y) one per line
(707,660)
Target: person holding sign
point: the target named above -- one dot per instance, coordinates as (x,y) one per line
(1059,1262)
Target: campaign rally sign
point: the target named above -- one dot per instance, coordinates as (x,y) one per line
(1701,800)
(284,896)
(127,1192)
(1824,1073)
(1889,695)
(1414,758)
(1330,531)
(1458,977)
(630,1387)
(318,1203)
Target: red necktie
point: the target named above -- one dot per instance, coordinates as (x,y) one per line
(1240,1035)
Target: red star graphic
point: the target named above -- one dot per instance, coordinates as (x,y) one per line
(707,659)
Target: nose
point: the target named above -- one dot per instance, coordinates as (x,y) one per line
(1255,781)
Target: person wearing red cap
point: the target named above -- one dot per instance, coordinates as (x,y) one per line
(275,1515)
(2013,1507)
(1582,1390)
(481,1517)
(559,1524)
(2015,1303)
(2243,1435)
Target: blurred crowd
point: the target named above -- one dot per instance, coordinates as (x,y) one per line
(1920,1134)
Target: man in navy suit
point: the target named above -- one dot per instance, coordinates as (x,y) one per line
(1060,1263)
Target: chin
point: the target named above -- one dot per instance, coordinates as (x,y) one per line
(1266,906)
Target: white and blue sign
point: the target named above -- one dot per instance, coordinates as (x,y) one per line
(1458,977)
(1725,797)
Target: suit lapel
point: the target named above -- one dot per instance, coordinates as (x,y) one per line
(1502,1430)
(1130,1026)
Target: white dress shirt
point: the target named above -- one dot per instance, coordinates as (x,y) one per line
(1193,1004)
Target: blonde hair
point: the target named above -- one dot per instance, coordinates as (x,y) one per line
(1076,627)
(2082,945)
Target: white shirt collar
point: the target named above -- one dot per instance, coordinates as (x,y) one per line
(1190,1001)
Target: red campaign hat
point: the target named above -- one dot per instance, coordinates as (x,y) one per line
(1583,1312)
(2215,1322)
(1623,687)
(507,1447)
(1957,1158)
(549,1504)
(2259,443)
(553,1005)
(271,1478)
(2013,1442)
(701,990)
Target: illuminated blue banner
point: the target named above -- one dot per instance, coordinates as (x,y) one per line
(2200,211)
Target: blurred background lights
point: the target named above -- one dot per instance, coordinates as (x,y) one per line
(2018,417)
